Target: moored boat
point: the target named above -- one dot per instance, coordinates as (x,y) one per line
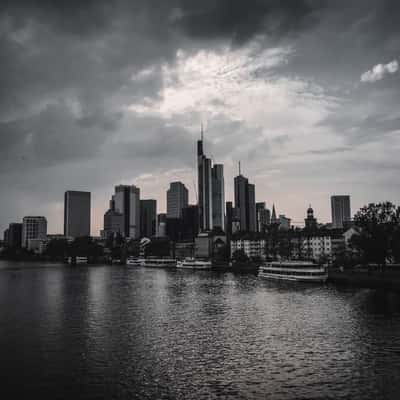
(301,271)
(194,263)
(159,262)
(134,261)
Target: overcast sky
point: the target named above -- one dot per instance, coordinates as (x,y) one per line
(98,93)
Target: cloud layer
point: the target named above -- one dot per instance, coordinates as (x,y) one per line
(98,93)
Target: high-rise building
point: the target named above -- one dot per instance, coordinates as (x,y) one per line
(148,217)
(229,217)
(162,225)
(190,222)
(127,202)
(33,228)
(204,188)
(113,223)
(263,217)
(218,196)
(177,199)
(341,212)
(76,213)
(14,235)
(245,203)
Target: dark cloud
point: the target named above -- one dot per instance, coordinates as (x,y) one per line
(240,20)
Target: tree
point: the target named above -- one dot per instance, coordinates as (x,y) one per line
(240,256)
(57,248)
(379,238)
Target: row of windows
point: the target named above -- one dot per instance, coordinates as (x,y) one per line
(295,273)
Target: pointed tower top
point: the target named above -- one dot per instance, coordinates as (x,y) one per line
(273,216)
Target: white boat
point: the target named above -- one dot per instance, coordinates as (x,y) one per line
(301,271)
(77,260)
(134,261)
(193,263)
(159,262)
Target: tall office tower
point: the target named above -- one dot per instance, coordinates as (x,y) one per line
(218,196)
(177,199)
(341,212)
(113,223)
(148,218)
(14,234)
(204,188)
(245,203)
(190,222)
(127,202)
(33,228)
(229,217)
(162,225)
(76,213)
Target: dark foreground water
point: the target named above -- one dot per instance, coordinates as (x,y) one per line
(120,332)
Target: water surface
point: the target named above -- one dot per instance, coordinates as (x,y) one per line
(125,332)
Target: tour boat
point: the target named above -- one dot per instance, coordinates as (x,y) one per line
(193,263)
(77,260)
(159,262)
(301,271)
(134,261)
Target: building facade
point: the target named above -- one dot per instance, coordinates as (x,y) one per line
(33,228)
(126,201)
(76,213)
(14,236)
(177,199)
(218,196)
(204,188)
(245,203)
(341,211)
(148,217)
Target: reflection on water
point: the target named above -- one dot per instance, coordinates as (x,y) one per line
(117,332)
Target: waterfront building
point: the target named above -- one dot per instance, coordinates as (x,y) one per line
(341,211)
(76,213)
(229,218)
(33,227)
(148,217)
(218,196)
(177,199)
(245,203)
(126,201)
(253,247)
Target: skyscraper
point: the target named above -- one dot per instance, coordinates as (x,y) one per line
(262,217)
(148,217)
(341,212)
(190,222)
(33,228)
(177,199)
(204,188)
(76,213)
(245,203)
(127,202)
(218,196)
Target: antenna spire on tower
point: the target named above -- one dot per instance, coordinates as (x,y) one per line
(202,132)
(239,167)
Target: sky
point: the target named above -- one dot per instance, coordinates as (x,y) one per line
(98,93)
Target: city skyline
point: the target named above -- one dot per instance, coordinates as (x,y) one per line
(124,100)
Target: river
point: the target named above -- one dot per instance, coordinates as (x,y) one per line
(117,332)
